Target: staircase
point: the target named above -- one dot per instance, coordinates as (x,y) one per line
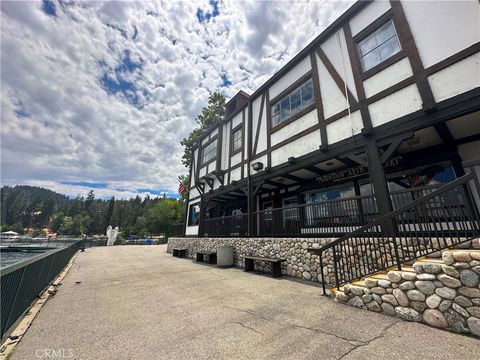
(420,262)
(441,292)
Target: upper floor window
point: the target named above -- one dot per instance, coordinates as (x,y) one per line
(293,103)
(378,46)
(237,139)
(209,152)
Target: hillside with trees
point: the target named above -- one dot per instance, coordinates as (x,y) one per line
(26,208)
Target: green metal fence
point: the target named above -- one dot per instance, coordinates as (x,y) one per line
(23,282)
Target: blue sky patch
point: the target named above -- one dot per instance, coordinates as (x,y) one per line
(204,16)
(158,192)
(116,83)
(49,7)
(86,184)
(225,80)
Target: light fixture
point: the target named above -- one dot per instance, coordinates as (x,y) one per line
(291,160)
(257,166)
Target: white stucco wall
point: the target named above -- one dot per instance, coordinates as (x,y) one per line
(342,128)
(335,48)
(306,121)
(368,15)
(388,77)
(456,79)
(290,77)
(236,174)
(301,146)
(401,103)
(191,230)
(333,100)
(236,159)
(450,26)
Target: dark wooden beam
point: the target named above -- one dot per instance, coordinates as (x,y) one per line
(408,44)
(394,146)
(336,77)
(293,178)
(315,170)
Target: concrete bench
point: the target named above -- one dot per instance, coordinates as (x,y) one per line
(179,252)
(211,256)
(275,264)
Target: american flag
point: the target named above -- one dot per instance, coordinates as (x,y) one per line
(181,189)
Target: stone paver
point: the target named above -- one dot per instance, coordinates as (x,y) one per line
(138,302)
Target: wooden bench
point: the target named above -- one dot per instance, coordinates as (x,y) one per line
(179,252)
(211,256)
(275,264)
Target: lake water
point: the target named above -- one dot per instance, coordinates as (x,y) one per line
(12,257)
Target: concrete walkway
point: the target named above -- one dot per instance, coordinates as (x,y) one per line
(138,302)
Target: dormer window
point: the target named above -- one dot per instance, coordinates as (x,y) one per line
(378,46)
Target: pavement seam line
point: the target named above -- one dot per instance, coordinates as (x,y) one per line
(366,343)
(299,326)
(245,326)
(30,314)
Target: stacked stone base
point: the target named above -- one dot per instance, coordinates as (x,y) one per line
(300,263)
(444,293)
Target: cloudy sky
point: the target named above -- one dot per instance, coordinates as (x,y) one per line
(99,94)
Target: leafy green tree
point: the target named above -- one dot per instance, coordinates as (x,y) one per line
(57,222)
(163,215)
(211,115)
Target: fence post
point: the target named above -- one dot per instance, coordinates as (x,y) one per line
(321,272)
(14,302)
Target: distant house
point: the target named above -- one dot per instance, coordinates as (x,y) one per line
(381,108)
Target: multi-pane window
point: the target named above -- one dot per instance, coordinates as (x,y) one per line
(237,139)
(209,152)
(293,103)
(378,46)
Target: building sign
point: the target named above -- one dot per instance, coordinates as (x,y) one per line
(344,174)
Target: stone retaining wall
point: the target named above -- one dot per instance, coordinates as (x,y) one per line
(443,294)
(300,263)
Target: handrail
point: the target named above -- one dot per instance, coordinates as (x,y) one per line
(440,219)
(21,283)
(460,181)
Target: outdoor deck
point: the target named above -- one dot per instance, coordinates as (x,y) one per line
(138,302)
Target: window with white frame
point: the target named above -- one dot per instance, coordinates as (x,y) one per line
(237,139)
(293,103)
(209,152)
(378,46)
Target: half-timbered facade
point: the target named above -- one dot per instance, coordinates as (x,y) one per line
(380,108)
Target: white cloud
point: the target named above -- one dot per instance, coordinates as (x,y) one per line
(58,122)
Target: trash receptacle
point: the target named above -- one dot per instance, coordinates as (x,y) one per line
(224,256)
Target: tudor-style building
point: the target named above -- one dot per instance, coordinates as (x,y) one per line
(379,109)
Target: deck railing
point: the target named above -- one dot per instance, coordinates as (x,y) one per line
(233,225)
(445,217)
(21,283)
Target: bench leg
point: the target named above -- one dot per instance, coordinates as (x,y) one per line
(182,253)
(248,264)
(276,269)
(175,253)
(199,257)
(213,258)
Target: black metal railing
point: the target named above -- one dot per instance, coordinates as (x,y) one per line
(326,218)
(442,218)
(233,225)
(177,230)
(21,283)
